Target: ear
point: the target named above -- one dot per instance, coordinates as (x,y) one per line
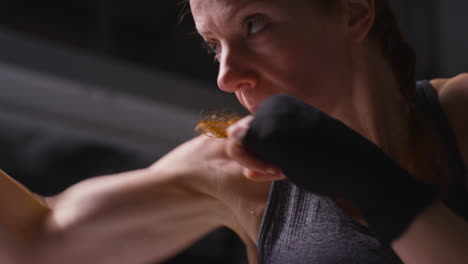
(360,16)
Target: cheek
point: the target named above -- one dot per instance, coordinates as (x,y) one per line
(309,67)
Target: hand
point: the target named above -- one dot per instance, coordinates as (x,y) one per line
(255,169)
(322,155)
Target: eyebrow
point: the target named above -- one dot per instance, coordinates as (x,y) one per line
(234,12)
(239,8)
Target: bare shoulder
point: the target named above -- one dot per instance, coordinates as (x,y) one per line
(453,97)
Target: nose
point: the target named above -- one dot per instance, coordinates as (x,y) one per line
(235,72)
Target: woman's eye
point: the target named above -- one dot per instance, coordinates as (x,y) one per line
(255,24)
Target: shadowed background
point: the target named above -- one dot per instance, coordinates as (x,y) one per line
(96,87)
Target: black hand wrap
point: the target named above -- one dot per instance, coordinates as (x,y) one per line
(323,155)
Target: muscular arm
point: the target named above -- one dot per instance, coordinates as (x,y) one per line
(142,216)
(133,217)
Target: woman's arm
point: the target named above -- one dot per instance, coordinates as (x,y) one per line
(147,215)
(133,217)
(436,236)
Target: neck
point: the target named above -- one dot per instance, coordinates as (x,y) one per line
(374,106)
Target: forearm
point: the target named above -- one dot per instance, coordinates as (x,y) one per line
(436,236)
(133,217)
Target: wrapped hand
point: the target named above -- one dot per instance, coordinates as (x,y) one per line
(321,154)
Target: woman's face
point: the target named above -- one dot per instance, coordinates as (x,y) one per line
(266,47)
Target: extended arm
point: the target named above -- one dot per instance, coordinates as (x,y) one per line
(146,215)
(133,217)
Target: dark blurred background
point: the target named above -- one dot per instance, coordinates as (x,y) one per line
(96,87)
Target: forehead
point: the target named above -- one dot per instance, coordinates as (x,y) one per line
(219,6)
(213,11)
